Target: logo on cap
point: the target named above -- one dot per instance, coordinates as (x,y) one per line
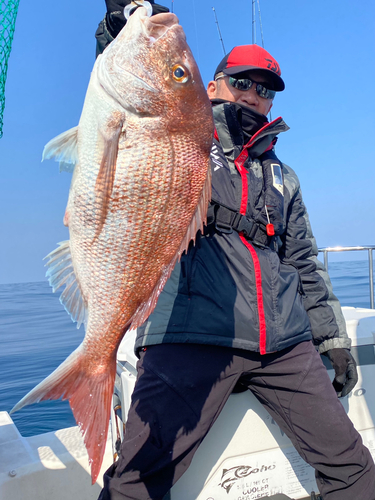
(273,66)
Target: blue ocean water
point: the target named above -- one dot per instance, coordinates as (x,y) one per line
(36,335)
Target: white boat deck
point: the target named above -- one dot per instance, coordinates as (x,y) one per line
(47,466)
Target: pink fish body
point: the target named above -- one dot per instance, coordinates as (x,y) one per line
(139,194)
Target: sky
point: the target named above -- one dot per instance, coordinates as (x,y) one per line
(326,51)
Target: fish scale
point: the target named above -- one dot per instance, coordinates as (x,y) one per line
(139,194)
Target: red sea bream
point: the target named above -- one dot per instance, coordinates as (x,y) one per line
(139,194)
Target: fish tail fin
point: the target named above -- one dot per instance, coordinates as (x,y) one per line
(89,390)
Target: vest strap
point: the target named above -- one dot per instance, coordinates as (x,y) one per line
(226,221)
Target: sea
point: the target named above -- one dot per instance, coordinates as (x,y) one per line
(36,335)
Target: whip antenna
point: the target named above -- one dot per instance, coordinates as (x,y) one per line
(172,7)
(218,29)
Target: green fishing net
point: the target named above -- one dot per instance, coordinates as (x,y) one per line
(8,14)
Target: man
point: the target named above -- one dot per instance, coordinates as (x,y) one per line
(246,308)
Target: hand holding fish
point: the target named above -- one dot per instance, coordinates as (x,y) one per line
(115,13)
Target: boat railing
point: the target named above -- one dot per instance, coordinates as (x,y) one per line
(369,249)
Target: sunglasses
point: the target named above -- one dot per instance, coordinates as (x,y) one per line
(246,84)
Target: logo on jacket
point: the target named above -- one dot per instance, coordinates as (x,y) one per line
(277,177)
(215,157)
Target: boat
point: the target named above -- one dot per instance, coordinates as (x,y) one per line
(232,463)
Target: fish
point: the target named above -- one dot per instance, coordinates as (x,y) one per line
(139,194)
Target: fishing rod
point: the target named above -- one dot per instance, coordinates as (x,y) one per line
(254,28)
(218,29)
(253,24)
(260,24)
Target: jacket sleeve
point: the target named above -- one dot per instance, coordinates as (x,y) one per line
(103,37)
(300,250)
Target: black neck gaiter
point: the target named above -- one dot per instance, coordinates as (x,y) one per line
(249,120)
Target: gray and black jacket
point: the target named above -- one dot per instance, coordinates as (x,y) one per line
(239,286)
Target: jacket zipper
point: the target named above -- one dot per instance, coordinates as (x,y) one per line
(239,162)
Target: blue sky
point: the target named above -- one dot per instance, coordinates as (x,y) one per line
(326,50)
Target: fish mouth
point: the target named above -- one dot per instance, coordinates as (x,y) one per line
(157,26)
(153,28)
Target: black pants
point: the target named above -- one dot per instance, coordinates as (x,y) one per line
(180,391)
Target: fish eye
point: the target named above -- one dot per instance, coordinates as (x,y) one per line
(180,74)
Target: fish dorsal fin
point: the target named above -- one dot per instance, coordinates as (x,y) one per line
(106,176)
(198,221)
(64,149)
(60,272)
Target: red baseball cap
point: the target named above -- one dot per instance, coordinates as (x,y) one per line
(252,57)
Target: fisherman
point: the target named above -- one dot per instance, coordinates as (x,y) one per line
(248,307)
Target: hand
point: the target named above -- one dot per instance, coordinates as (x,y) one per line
(115,14)
(345,367)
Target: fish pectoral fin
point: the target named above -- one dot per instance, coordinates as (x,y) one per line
(61,272)
(107,172)
(64,149)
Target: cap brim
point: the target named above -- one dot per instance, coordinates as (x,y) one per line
(277,81)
